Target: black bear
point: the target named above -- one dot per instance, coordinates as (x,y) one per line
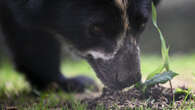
(104,32)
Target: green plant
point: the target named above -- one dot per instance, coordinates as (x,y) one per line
(163,73)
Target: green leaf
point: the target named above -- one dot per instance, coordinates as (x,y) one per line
(179,90)
(164,49)
(160,78)
(155,72)
(166,60)
(154,20)
(154,15)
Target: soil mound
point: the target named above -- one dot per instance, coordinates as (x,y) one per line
(157,97)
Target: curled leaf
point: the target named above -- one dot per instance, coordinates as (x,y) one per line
(155,72)
(160,78)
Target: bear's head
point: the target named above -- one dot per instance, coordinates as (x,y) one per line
(106,34)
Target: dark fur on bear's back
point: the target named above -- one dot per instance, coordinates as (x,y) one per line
(97,30)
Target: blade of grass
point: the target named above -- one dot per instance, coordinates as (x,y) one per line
(164,49)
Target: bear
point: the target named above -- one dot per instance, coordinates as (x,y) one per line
(103,32)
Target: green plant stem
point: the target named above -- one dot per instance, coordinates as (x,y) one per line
(164,49)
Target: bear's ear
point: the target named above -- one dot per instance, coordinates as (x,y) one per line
(156,2)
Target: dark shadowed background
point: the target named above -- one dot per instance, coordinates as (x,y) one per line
(177,21)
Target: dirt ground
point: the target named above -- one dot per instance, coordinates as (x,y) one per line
(157,98)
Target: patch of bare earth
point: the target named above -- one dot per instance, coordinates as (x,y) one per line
(157,97)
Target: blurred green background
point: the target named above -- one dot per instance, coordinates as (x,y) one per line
(11,81)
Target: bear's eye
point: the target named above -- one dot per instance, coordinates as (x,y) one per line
(96,30)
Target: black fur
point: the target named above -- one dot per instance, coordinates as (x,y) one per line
(30,28)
